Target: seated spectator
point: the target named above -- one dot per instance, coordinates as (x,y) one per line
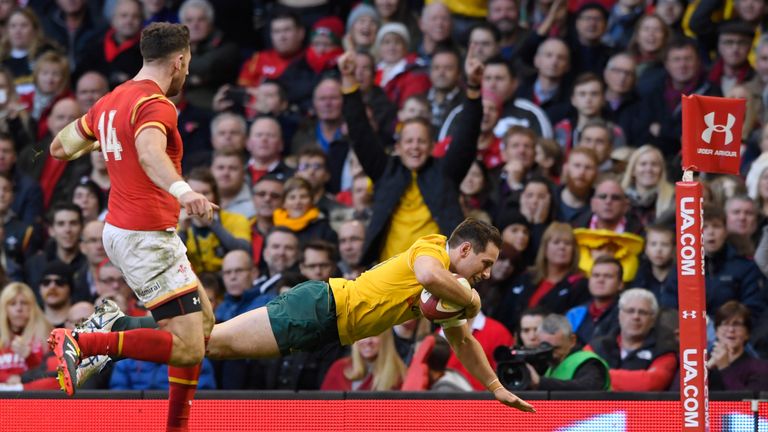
(623,103)
(621,22)
(238,274)
(85,279)
(14,118)
(599,316)
(281,255)
(51,84)
(325,128)
(351,240)
(287,35)
(382,111)
(227,132)
(214,60)
(435,26)
(20,238)
(313,167)
(590,53)
(445,93)
(363,23)
(731,275)
(519,156)
(732,66)
(267,197)
(88,196)
(373,365)
(130,374)
(99,173)
(651,36)
(115,54)
(193,126)
(578,179)
(530,323)
(549,88)
(741,219)
(484,41)
(537,205)
(317,260)
(738,368)
(441,377)
(610,210)
(90,87)
(23,332)
(638,358)
(515,255)
(112,283)
(554,281)
(475,191)
(598,135)
(571,368)
(228,170)
(300,215)
(651,195)
(265,147)
(72,25)
(400,74)
(208,240)
(656,267)
(23,47)
(56,292)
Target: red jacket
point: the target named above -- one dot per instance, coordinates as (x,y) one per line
(335,379)
(28,100)
(11,364)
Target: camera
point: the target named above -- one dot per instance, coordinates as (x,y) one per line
(511,368)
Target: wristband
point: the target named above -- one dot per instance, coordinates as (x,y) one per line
(179,188)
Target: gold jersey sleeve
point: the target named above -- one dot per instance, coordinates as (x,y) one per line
(386,295)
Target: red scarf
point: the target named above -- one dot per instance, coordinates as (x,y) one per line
(321,62)
(112,49)
(49,177)
(717,72)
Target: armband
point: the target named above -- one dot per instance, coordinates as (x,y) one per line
(179,188)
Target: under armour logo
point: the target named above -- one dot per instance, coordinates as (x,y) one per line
(689,314)
(709,120)
(196,300)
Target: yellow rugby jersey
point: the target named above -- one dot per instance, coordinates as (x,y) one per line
(385,295)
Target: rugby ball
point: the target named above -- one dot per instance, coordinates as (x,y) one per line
(440,311)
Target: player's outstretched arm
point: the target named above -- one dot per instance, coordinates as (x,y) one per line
(471,355)
(68,144)
(440,282)
(150,147)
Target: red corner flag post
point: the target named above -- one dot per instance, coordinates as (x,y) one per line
(711,143)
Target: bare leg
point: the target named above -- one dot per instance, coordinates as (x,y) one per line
(245,336)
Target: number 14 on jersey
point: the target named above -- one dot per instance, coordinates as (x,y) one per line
(108,137)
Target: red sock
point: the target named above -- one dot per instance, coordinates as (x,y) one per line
(139,344)
(182,383)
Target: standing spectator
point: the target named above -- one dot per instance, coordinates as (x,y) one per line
(657,266)
(287,35)
(65,226)
(640,360)
(208,240)
(228,170)
(373,365)
(317,260)
(351,240)
(600,315)
(85,280)
(445,75)
(265,146)
(300,215)
(363,23)
(435,25)
(214,61)
(27,194)
(91,86)
(23,331)
(23,41)
(650,194)
(400,75)
(72,24)
(579,174)
(56,292)
(115,54)
(14,118)
(549,88)
(267,197)
(554,281)
(50,77)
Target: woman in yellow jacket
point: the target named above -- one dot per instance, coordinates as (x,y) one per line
(208,241)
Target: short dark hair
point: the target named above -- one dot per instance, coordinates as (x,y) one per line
(65,206)
(607,259)
(280,89)
(485,25)
(477,233)
(732,309)
(499,60)
(713,212)
(282,15)
(161,39)
(585,78)
(319,245)
(203,174)
(228,152)
(313,151)
(441,352)
(682,42)
(5,136)
(447,49)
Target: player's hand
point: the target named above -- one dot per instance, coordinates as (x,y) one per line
(197,204)
(473,308)
(509,399)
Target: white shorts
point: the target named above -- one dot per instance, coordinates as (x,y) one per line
(154,263)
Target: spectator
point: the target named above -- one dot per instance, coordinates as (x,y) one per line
(398,11)
(158,11)
(14,118)
(20,238)
(600,315)
(590,54)
(56,292)
(400,75)
(359,199)
(51,84)
(638,358)
(72,24)
(579,174)
(671,13)
(115,54)
(738,369)
(530,324)
(213,288)
(130,374)
(475,191)
(65,226)
(734,43)
(741,218)
(549,89)
(88,196)
(729,274)
(435,26)
(281,254)
(537,205)
(363,23)
(656,268)
(505,15)
(554,281)
(610,210)
(303,74)
(484,41)
(519,156)
(23,332)
(383,111)
(623,106)
(91,86)
(238,274)
(22,44)
(425,187)
(351,240)
(265,146)
(85,280)
(313,167)
(208,240)
(228,132)
(598,135)
(651,195)
(570,368)
(647,47)
(445,75)
(515,255)
(300,215)
(549,158)
(99,173)
(622,18)
(267,197)
(440,377)
(57,178)
(317,260)
(373,365)
(287,35)
(228,170)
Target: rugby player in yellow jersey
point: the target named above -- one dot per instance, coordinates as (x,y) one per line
(316,313)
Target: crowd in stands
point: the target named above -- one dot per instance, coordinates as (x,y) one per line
(558,121)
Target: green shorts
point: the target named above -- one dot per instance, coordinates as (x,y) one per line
(304,317)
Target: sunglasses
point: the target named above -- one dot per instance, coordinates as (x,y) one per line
(57,281)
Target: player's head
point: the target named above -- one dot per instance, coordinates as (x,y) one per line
(473,248)
(168,45)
